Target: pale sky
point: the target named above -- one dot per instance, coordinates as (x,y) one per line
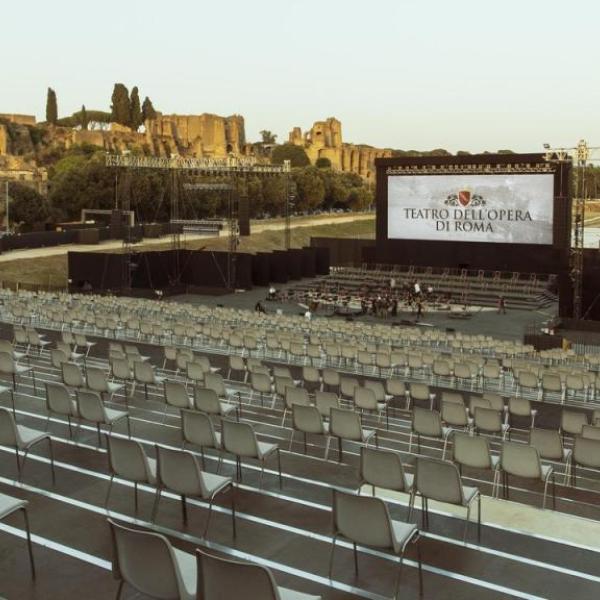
(462,74)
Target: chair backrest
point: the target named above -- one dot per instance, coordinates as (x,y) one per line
(382,468)
(586,452)
(222,579)
(471,451)
(476,402)
(572,422)
(520,460)
(496,400)
(90,406)
(72,375)
(488,419)
(176,394)
(347,385)
(57,358)
(214,381)
(519,407)
(127,459)
(395,387)
(96,379)
(419,391)
(179,471)
(146,561)
(364,398)
(197,428)
(454,414)
(325,401)
(438,479)
(362,519)
(426,422)
(345,424)
(547,442)
(120,368)
(207,401)
(9,434)
(143,371)
(591,432)
(294,395)
(331,377)
(307,418)
(261,382)
(453,397)
(239,438)
(58,399)
(311,374)
(377,388)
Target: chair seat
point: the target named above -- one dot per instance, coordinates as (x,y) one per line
(287,594)
(8,505)
(402,533)
(18,355)
(215,369)
(214,483)
(410,478)
(546,471)
(114,415)
(367,434)
(264,449)
(75,356)
(495,461)
(28,436)
(22,369)
(4,388)
(187,567)
(469,493)
(227,408)
(113,387)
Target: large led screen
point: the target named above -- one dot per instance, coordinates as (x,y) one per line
(509,209)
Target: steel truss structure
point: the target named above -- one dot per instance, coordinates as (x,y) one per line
(235,169)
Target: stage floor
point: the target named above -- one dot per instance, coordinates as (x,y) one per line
(511,326)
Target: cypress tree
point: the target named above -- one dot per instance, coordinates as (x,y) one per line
(84,117)
(51,107)
(121,106)
(136,110)
(148,111)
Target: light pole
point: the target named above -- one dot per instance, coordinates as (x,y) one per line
(7,220)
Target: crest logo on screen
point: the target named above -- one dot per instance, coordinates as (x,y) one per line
(464,198)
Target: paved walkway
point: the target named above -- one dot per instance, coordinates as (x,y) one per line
(257,227)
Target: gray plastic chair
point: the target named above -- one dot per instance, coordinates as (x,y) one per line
(524,461)
(346,425)
(439,480)
(366,521)
(549,445)
(8,506)
(97,381)
(180,473)
(59,402)
(240,440)
(420,392)
(325,401)
(294,395)
(429,424)
(473,451)
(22,438)
(307,419)
(9,366)
(91,408)
(127,460)
(198,429)
(586,453)
(226,579)
(148,563)
(383,469)
(207,401)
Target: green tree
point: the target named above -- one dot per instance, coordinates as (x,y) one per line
(295,154)
(51,107)
(121,106)
(148,112)
(26,206)
(135,118)
(311,190)
(323,163)
(267,136)
(360,198)
(84,118)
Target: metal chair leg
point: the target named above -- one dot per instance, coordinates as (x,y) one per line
(51,451)
(29,545)
(108,491)
(331,553)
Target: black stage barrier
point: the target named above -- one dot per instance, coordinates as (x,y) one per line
(309,262)
(322,260)
(261,269)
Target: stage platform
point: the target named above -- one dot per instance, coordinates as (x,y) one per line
(511,326)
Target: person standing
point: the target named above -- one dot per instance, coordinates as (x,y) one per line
(501,305)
